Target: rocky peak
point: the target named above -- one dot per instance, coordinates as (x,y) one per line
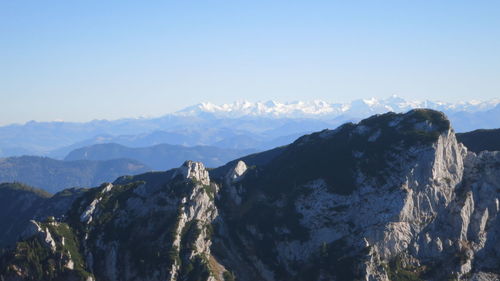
(239,169)
(417,122)
(375,148)
(195,171)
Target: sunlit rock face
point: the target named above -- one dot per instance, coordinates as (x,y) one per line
(394,197)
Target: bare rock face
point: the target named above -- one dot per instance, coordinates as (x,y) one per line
(395,197)
(36,229)
(194,170)
(234,175)
(196,213)
(237,172)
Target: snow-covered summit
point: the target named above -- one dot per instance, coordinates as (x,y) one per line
(320,109)
(269,108)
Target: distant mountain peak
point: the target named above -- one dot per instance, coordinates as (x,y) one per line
(324,109)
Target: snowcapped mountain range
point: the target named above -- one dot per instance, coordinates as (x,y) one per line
(238,125)
(323,109)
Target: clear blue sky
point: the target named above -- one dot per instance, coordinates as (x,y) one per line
(81,60)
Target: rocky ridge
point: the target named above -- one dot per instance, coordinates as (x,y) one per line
(394,197)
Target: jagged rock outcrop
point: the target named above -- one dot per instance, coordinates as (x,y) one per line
(394,197)
(153,227)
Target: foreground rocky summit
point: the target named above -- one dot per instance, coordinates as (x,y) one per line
(395,197)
